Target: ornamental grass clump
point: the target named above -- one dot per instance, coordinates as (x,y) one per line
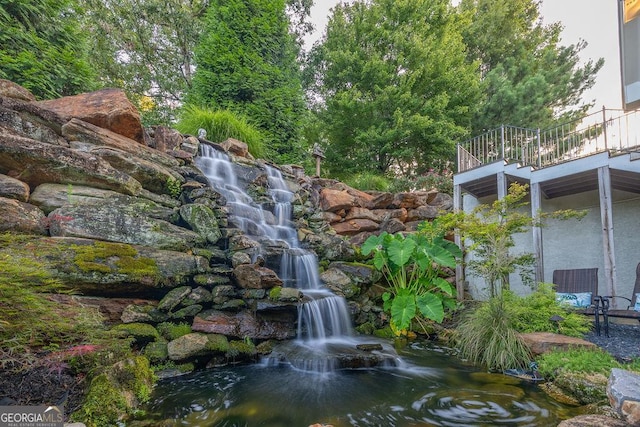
(220,125)
(487,337)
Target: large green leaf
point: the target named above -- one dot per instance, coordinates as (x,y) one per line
(431,306)
(401,250)
(373,242)
(445,286)
(379,260)
(403,310)
(441,256)
(450,246)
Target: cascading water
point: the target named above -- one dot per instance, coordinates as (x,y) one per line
(323,319)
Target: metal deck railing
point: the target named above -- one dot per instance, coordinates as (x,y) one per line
(607,130)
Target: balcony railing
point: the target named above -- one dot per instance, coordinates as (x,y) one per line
(608,130)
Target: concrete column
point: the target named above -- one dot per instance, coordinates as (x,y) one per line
(606,217)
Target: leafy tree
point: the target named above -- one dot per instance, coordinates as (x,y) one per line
(246,62)
(42,47)
(489,232)
(146,47)
(528,78)
(394,85)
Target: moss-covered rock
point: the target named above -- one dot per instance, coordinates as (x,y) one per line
(142,333)
(171,331)
(586,388)
(202,220)
(156,352)
(116,393)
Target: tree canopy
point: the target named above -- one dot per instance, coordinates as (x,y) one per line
(247,62)
(146,48)
(528,78)
(42,47)
(395,87)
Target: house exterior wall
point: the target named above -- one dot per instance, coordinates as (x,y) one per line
(572,243)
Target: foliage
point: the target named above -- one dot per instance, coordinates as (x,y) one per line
(533,313)
(367,181)
(528,78)
(171,331)
(174,187)
(442,181)
(29,318)
(487,336)
(220,125)
(393,86)
(42,47)
(577,360)
(412,266)
(146,48)
(488,231)
(246,63)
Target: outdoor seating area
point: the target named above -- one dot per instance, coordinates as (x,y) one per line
(632,311)
(579,289)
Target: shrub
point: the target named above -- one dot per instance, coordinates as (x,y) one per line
(533,313)
(487,336)
(367,181)
(220,125)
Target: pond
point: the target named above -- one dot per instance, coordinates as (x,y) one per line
(430,388)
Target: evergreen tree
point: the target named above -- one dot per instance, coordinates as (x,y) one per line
(528,78)
(395,89)
(42,47)
(246,62)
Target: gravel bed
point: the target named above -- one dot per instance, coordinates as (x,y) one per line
(623,341)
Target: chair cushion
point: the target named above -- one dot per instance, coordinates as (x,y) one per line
(637,306)
(577,299)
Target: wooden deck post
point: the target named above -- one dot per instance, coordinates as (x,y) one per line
(536,202)
(606,217)
(457,206)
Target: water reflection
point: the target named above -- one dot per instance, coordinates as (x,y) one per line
(432,389)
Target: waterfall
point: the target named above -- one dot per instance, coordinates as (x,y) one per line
(323,317)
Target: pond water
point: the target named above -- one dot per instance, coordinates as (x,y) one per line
(431,388)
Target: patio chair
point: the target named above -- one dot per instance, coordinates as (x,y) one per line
(579,288)
(631,312)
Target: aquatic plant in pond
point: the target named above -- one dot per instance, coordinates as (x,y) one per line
(412,265)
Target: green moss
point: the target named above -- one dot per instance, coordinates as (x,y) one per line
(104,404)
(274,293)
(218,343)
(172,331)
(384,333)
(156,352)
(135,375)
(116,258)
(141,332)
(242,349)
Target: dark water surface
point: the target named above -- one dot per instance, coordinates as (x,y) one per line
(433,389)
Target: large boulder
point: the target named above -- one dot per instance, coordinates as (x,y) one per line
(202,220)
(78,130)
(262,326)
(106,108)
(544,342)
(36,163)
(335,200)
(623,390)
(593,420)
(14,90)
(188,346)
(28,125)
(123,219)
(12,188)
(100,268)
(252,276)
(21,217)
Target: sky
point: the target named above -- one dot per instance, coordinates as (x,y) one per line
(595,21)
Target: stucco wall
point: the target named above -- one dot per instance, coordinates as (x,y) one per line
(578,243)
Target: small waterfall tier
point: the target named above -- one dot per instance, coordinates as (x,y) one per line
(325,337)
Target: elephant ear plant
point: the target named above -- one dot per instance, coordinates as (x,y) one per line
(412,265)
